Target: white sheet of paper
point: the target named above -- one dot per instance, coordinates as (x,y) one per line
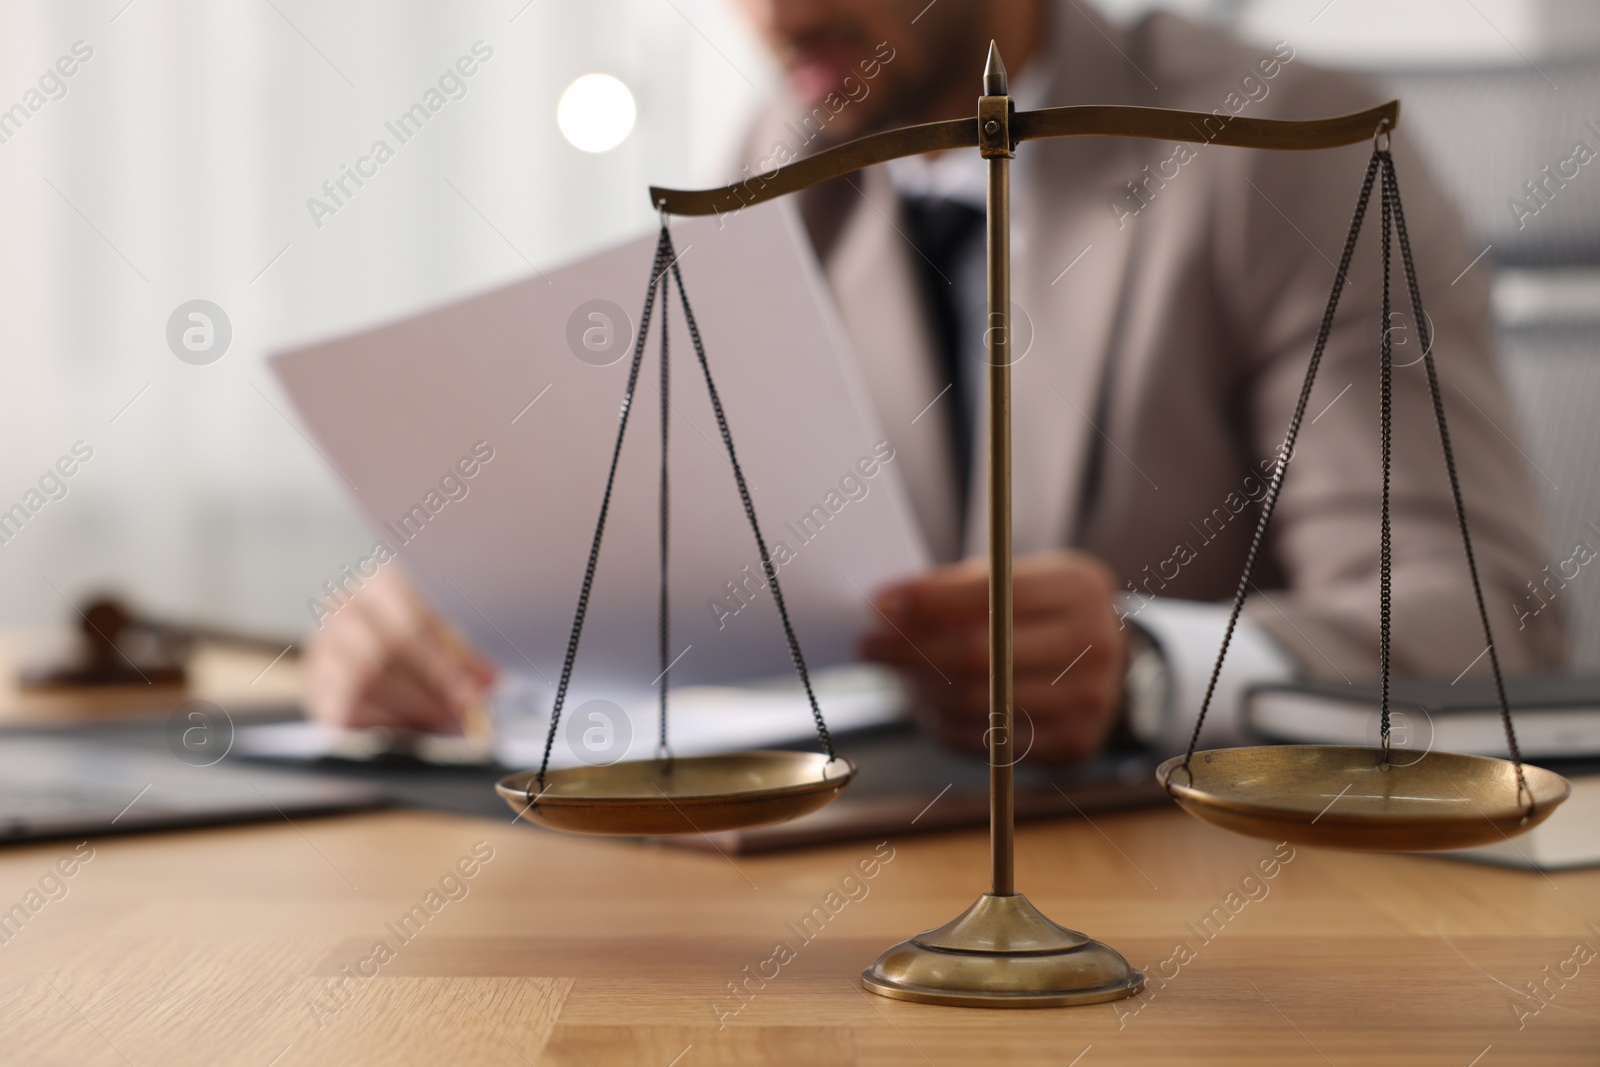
(704,719)
(398,409)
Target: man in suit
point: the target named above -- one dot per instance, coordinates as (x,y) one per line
(1166,297)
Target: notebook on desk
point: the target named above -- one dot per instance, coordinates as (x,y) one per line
(1568,839)
(82,781)
(1556,715)
(909,784)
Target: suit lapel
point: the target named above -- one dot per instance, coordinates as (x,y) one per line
(871,272)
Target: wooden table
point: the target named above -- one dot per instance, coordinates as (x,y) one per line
(231,947)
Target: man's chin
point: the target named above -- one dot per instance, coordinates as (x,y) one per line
(812,82)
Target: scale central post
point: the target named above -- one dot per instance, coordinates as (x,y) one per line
(994,145)
(1002,952)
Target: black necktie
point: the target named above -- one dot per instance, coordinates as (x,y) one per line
(943,232)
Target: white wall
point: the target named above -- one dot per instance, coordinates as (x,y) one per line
(178,165)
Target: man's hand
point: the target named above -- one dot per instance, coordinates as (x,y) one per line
(386,659)
(1069,652)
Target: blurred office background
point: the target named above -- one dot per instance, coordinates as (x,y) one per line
(177,161)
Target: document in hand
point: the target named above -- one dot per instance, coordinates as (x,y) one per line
(477,439)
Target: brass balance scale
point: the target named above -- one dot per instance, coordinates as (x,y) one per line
(1002,951)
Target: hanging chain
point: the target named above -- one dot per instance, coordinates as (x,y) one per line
(767,566)
(1270,501)
(657,277)
(664,272)
(1386,421)
(664,624)
(1391,185)
(1394,225)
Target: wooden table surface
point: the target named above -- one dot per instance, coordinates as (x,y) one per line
(260,946)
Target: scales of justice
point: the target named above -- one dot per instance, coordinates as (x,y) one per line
(1002,951)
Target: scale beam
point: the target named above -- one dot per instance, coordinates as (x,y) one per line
(1092,120)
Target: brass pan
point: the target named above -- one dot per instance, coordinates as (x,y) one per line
(1337,796)
(702,794)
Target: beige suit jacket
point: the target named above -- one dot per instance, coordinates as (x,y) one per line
(1167,360)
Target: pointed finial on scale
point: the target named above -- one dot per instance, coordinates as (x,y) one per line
(994,73)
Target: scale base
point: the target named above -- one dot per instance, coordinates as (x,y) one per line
(1002,953)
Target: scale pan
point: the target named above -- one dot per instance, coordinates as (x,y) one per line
(1342,797)
(701,794)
